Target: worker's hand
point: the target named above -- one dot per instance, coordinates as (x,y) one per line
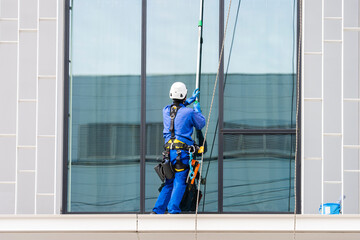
(189,101)
(197,107)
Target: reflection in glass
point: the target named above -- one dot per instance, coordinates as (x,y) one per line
(171,57)
(104,116)
(259,173)
(260,65)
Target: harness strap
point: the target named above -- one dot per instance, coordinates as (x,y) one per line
(173,111)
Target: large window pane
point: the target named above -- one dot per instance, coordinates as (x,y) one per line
(172,35)
(260,65)
(259,173)
(104,121)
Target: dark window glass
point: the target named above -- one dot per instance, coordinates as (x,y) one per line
(259,173)
(104,121)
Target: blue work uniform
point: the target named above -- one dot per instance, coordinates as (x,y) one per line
(172,193)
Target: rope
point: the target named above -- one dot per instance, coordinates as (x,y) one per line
(208,119)
(297,109)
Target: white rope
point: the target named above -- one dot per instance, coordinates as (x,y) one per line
(208,119)
(297,109)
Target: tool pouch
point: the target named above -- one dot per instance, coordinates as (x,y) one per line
(159,170)
(168,170)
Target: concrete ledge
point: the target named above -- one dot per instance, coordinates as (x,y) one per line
(185,223)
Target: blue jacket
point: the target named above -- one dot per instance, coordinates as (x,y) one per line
(186,119)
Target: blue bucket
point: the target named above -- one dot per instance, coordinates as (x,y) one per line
(330,208)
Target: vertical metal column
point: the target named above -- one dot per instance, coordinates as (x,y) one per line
(221,111)
(143,108)
(66,107)
(322,102)
(342,107)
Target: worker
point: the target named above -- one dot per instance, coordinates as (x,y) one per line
(177,132)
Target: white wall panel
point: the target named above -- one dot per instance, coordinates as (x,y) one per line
(7,159)
(332,8)
(312,129)
(332,29)
(27,65)
(332,88)
(332,158)
(45,164)
(8,89)
(351,191)
(8,8)
(351,123)
(47,47)
(312,22)
(26,158)
(44,204)
(8,30)
(312,76)
(47,8)
(28,14)
(27,124)
(47,106)
(7,196)
(26,193)
(351,64)
(312,188)
(351,10)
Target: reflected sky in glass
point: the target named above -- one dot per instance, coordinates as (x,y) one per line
(263,41)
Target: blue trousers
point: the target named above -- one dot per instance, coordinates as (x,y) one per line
(173,191)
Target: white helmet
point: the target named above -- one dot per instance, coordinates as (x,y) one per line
(178,91)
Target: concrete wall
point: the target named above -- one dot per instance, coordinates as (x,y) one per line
(31,37)
(331,104)
(31,103)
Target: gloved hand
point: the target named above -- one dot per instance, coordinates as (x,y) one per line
(197,107)
(190,100)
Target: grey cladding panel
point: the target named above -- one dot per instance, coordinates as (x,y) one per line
(332,88)
(312,28)
(332,158)
(44,204)
(351,65)
(7,198)
(351,123)
(351,12)
(8,91)
(27,65)
(312,129)
(7,158)
(351,191)
(312,76)
(26,193)
(28,14)
(46,165)
(27,123)
(332,29)
(47,47)
(332,8)
(8,9)
(312,186)
(8,31)
(47,106)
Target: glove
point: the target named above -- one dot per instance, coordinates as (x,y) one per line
(197,107)
(193,97)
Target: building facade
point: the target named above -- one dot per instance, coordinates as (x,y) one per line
(83,84)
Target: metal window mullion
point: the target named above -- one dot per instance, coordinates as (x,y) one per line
(66,108)
(221,112)
(342,107)
(143,107)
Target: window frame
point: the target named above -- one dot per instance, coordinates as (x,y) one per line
(221,130)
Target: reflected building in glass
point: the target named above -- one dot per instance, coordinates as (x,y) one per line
(124,60)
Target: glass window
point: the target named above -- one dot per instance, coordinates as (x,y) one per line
(260,65)
(104,120)
(172,43)
(259,173)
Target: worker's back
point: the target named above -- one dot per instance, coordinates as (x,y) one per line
(186,119)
